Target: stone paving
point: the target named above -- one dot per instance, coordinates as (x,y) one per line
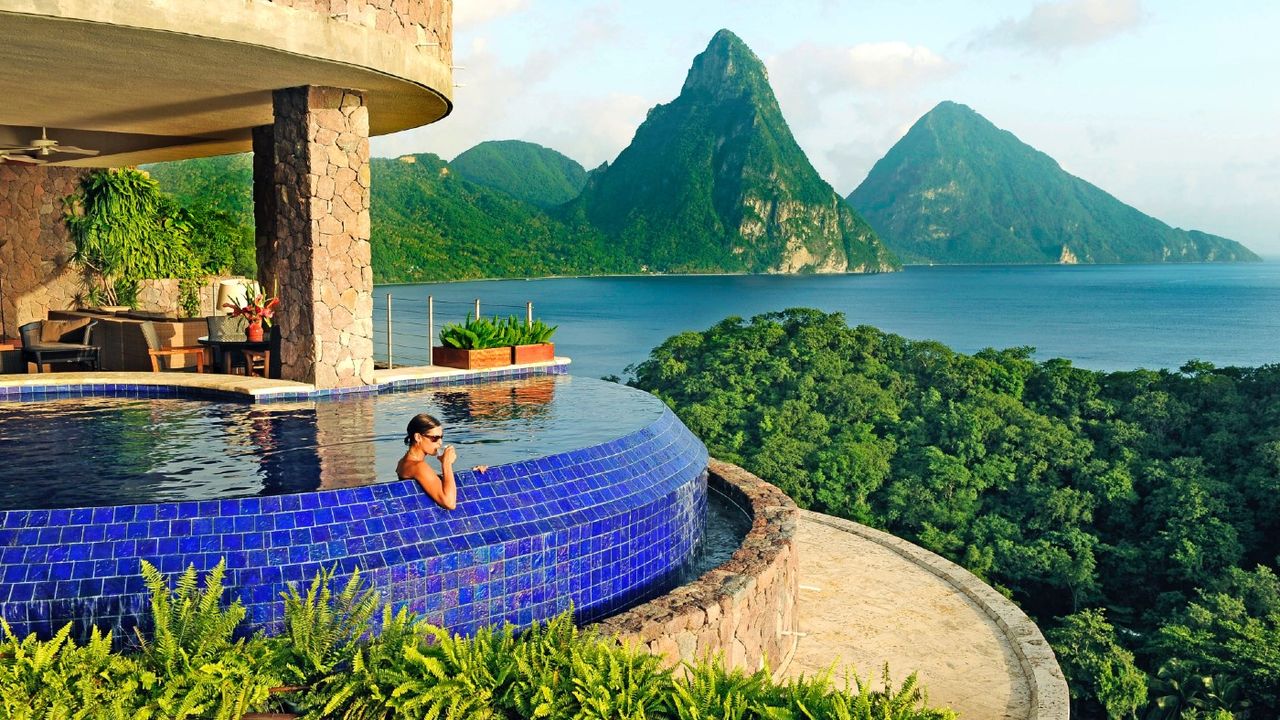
(862,604)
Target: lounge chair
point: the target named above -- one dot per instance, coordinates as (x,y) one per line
(49,342)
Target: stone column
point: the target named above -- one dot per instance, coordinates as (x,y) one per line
(264,205)
(323,267)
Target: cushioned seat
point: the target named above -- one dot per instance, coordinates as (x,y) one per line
(50,342)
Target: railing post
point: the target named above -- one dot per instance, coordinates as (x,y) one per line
(528,314)
(431,329)
(389,364)
(477,308)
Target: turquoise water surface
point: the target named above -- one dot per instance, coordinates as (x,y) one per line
(1105,317)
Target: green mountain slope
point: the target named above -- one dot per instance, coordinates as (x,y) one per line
(430,224)
(427,223)
(524,170)
(958,189)
(714,181)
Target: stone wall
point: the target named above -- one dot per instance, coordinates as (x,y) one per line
(425,22)
(744,609)
(34,244)
(323,263)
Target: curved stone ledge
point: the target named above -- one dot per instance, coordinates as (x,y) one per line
(1049,694)
(744,609)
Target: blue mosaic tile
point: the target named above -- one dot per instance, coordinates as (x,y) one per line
(602,527)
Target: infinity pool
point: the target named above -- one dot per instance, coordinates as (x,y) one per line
(595,499)
(91,451)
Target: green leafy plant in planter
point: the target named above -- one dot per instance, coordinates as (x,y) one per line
(476,334)
(534,342)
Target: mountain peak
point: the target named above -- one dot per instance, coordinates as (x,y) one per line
(714,181)
(958,189)
(727,67)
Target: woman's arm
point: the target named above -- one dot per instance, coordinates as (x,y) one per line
(443,490)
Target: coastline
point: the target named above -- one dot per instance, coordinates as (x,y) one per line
(1263,259)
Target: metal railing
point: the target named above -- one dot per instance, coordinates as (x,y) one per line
(410,335)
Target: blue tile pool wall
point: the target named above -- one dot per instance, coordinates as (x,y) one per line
(602,528)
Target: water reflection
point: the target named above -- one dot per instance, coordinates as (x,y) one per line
(75,452)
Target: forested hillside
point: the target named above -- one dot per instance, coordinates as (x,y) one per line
(427,223)
(220,191)
(714,182)
(958,189)
(523,170)
(430,224)
(1135,515)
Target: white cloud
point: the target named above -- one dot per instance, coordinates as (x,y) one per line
(880,66)
(600,129)
(501,100)
(468,13)
(1052,27)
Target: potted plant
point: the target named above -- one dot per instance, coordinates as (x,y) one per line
(478,343)
(258,311)
(534,343)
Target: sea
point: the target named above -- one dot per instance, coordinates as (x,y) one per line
(1102,317)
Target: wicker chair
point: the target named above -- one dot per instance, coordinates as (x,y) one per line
(225,328)
(75,347)
(158,351)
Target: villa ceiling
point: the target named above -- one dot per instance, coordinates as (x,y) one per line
(142,95)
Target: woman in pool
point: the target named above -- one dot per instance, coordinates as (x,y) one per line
(425,438)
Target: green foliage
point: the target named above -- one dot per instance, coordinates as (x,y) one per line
(1097,667)
(322,630)
(194,668)
(126,230)
(957,189)
(56,679)
(481,333)
(524,170)
(536,333)
(430,223)
(218,194)
(1142,493)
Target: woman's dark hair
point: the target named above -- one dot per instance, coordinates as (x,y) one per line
(419,425)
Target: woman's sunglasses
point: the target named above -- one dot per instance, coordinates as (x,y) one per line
(434,438)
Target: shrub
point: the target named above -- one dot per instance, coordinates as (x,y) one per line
(193,666)
(482,333)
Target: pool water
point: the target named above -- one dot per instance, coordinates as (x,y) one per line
(95,451)
(727,524)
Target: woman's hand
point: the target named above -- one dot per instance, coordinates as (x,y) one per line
(479,468)
(448,455)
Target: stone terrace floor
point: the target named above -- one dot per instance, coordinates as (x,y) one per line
(862,605)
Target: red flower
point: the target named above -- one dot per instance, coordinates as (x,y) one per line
(258,309)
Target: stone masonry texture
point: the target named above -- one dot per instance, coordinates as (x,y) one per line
(744,609)
(425,22)
(323,266)
(35,247)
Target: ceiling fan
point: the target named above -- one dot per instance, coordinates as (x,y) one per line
(39,149)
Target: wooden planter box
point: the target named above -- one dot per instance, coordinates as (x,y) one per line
(471,359)
(542,352)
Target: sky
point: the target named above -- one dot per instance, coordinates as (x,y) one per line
(1172,106)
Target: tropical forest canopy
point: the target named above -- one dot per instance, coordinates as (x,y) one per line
(1134,515)
(524,170)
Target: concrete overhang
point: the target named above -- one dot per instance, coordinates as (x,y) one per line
(154,80)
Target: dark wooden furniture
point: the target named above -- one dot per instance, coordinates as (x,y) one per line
(65,350)
(229,349)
